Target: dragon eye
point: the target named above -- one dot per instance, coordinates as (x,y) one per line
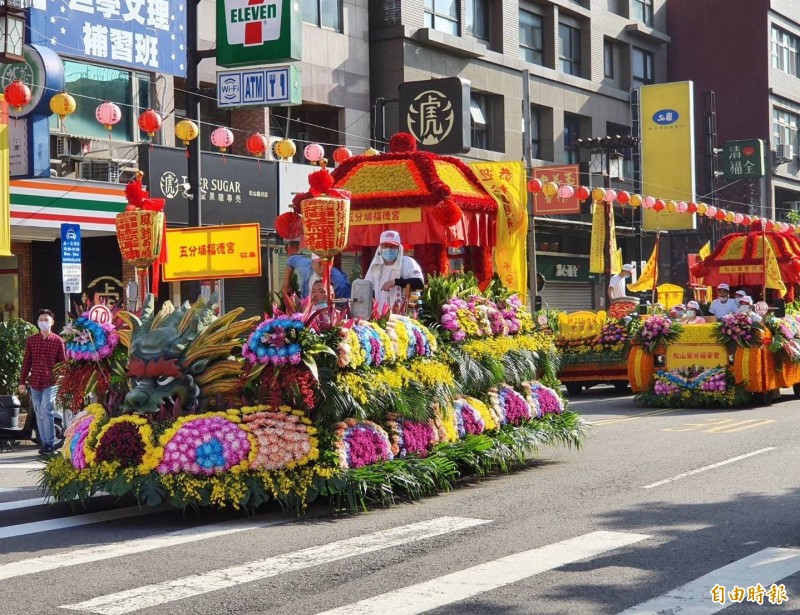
(164,380)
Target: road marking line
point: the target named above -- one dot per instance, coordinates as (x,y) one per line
(740,426)
(766,567)
(472,581)
(196,585)
(609,421)
(21,466)
(130,547)
(709,467)
(22,504)
(35,527)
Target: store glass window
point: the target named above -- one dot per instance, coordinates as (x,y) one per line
(442,15)
(785,52)
(531,39)
(476,18)
(480,119)
(569,49)
(643,11)
(572,129)
(643,68)
(536,132)
(608,59)
(784,128)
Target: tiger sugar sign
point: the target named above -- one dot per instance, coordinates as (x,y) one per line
(580,325)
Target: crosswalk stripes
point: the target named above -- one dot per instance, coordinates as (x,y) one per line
(694,598)
(178,589)
(472,581)
(35,527)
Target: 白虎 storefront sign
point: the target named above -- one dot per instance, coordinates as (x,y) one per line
(212,252)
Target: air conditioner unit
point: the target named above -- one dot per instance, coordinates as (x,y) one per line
(99,170)
(784,151)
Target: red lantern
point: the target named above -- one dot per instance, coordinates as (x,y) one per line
(623,197)
(327,233)
(770,226)
(534,185)
(691,207)
(150,122)
(659,205)
(17,94)
(257,144)
(340,154)
(747,220)
(720,215)
(289,226)
(699,270)
(582,192)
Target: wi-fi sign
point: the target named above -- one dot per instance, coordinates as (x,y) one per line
(230,89)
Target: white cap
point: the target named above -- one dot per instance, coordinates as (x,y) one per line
(723,286)
(740,293)
(747,300)
(627,267)
(315,257)
(680,306)
(391,237)
(693,305)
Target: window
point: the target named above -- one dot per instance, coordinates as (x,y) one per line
(531,46)
(570,49)
(784,128)
(476,20)
(480,119)
(442,15)
(608,59)
(643,72)
(643,11)
(91,85)
(785,52)
(323,13)
(572,129)
(536,132)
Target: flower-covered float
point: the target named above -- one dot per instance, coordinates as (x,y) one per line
(231,413)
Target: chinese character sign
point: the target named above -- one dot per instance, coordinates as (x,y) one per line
(743,159)
(145,34)
(139,236)
(326,224)
(437,114)
(213,252)
(544,205)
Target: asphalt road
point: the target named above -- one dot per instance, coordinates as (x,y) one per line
(657,509)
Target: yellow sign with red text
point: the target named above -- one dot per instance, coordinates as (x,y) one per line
(690,355)
(579,325)
(399,215)
(213,252)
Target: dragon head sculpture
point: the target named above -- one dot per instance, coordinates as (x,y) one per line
(180,360)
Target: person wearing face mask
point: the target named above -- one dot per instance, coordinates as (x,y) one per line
(391,272)
(746,307)
(693,316)
(42,352)
(677,312)
(723,304)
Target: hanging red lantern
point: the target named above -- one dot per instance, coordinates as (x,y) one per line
(659,205)
(721,213)
(108,114)
(691,207)
(534,185)
(699,270)
(150,122)
(582,193)
(747,220)
(257,144)
(623,197)
(17,94)
(289,226)
(340,154)
(770,225)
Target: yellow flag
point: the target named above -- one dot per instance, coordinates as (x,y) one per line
(506,182)
(773,271)
(616,262)
(597,260)
(705,251)
(649,278)
(5,207)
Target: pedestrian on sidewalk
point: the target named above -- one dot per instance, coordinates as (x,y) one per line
(42,352)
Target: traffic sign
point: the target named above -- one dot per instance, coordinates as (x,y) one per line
(71,257)
(267,86)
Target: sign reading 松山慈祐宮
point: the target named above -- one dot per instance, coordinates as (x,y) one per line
(251,32)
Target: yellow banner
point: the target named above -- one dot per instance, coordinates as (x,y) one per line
(5,205)
(689,355)
(505,181)
(705,251)
(649,278)
(774,278)
(616,262)
(597,260)
(579,325)
(667,146)
(213,252)
(365,217)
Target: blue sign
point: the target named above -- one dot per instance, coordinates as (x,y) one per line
(665,117)
(275,85)
(145,34)
(70,243)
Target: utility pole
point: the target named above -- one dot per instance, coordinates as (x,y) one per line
(527,154)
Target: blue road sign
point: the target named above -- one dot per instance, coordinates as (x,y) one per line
(70,243)
(268,86)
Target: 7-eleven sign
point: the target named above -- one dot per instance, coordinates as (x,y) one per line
(253,32)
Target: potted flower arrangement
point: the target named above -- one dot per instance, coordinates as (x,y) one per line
(657,331)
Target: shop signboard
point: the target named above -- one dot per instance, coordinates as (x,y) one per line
(564,268)
(71,257)
(695,355)
(437,113)
(233,189)
(259,87)
(148,35)
(544,205)
(213,252)
(251,32)
(743,159)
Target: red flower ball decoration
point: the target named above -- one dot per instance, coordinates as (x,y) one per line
(289,226)
(535,185)
(692,208)
(659,205)
(447,212)
(699,270)
(17,94)
(320,182)
(582,192)
(402,142)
